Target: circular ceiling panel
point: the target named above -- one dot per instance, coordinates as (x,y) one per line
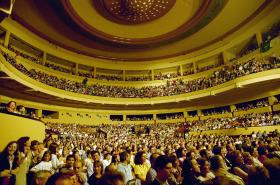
(133,11)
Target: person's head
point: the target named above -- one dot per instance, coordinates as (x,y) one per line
(262,150)
(190,167)
(204,166)
(217,162)
(153,159)
(163,166)
(34,145)
(95,155)
(21,109)
(78,166)
(10,149)
(41,177)
(115,159)
(70,160)
(53,148)
(47,156)
(218,150)
(24,144)
(12,106)
(98,167)
(140,158)
(124,157)
(204,154)
(77,155)
(60,179)
(114,178)
(236,158)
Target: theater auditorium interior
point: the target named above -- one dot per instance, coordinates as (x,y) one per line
(139,92)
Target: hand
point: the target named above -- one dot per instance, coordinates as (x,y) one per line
(15,171)
(5,173)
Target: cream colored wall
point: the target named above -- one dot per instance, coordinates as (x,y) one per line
(13,127)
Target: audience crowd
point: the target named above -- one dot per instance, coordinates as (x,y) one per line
(173,87)
(145,155)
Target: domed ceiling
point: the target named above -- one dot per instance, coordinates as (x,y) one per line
(135,30)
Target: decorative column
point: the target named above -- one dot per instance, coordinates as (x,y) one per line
(123,75)
(7,38)
(44,59)
(259,38)
(181,70)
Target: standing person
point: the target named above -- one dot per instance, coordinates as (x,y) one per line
(9,164)
(124,166)
(24,160)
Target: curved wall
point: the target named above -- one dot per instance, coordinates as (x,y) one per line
(13,127)
(258,25)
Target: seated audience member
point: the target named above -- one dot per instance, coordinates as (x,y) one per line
(222,176)
(141,167)
(9,161)
(217,150)
(95,178)
(12,107)
(273,166)
(258,175)
(45,164)
(21,110)
(163,167)
(152,173)
(238,167)
(205,173)
(124,166)
(41,177)
(262,150)
(82,176)
(114,178)
(69,166)
(190,172)
(60,179)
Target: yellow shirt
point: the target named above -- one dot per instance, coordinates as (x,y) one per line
(141,170)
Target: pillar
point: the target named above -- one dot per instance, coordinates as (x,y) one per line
(123,75)
(199,113)
(94,72)
(194,67)
(154,116)
(181,70)
(259,38)
(232,108)
(44,59)
(124,117)
(153,74)
(39,113)
(186,114)
(76,68)
(272,100)
(7,38)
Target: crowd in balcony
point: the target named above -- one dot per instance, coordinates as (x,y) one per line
(58,68)
(109,77)
(160,76)
(252,105)
(172,87)
(137,78)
